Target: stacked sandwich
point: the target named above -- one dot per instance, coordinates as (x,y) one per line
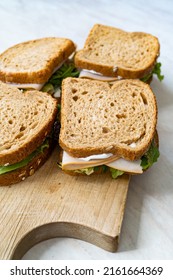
(38,64)
(107,127)
(110,54)
(108,115)
(28,116)
(27,120)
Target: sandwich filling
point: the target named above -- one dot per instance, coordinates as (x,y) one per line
(26,86)
(91,74)
(117,166)
(11,167)
(53,85)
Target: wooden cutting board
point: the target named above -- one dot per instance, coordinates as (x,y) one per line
(51,204)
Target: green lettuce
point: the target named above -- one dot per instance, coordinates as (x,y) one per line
(157,71)
(150,156)
(48,87)
(66,70)
(24,162)
(116,173)
(87,171)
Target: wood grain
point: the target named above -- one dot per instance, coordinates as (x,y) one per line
(51,203)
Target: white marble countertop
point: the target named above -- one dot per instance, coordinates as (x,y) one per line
(147,231)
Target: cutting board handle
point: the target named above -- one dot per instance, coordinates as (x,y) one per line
(63,229)
(53,204)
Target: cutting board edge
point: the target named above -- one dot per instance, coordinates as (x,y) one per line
(64,229)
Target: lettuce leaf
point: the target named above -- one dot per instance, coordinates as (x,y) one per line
(87,171)
(68,69)
(156,70)
(90,170)
(48,87)
(150,156)
(116,173)
(24,162)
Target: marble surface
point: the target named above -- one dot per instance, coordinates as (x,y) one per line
(147,231)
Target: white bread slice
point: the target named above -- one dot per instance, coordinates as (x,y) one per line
(26,118)
(34,61)
(97,118)
(114,52)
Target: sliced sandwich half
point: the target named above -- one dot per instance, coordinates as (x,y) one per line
(27,120)
(31,64)
(110,54)
(106,127)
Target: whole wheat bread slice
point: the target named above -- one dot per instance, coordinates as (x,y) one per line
(26,118)
(22,173)
(114,52)
(97,118)
(34,61)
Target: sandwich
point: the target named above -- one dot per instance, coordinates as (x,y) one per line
(107,127)
(110,54)
(31,64)
(26,134)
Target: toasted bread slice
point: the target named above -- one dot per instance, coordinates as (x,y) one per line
(97,118)
(114,52)
(34,61)
(22,173)
(26,118)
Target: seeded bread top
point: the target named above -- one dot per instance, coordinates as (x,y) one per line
(114,52)
(97,118)
(34,61)
(26,118)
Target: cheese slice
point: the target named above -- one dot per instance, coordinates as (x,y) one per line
(72,163)
(97,76)
(126,165)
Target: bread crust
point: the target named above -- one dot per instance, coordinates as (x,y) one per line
(26,149)
(116,149)
(84,60)
(63,48)
(21,174)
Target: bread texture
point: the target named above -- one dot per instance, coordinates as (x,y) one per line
(26,118)
(21,174)
(99,118)
(34,61)
(114,52)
